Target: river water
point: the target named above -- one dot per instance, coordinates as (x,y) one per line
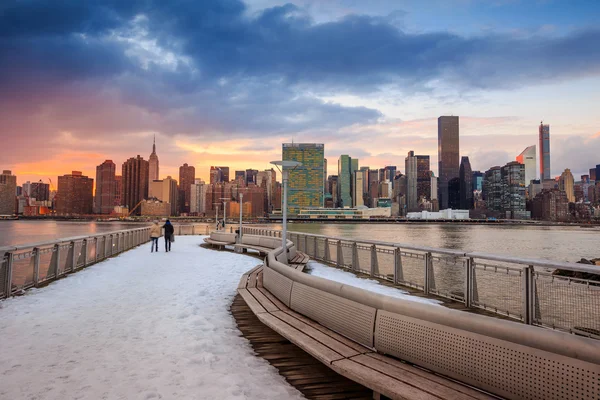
(559,243)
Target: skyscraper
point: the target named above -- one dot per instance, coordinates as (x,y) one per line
(251,176)
(224,173)
(8,192)
(466,184)
(75,194)
(118,190)
(448,156)
(40,191)
(492,189)
(135,172)
(153,164)
(187,177)
(566,184)
(240,176)
(105,187)
(305,186)
(423,177)
(345,181)
(477,181)
(528,158)
(544,136)
(410,168)
(357,189)
(216,176)
(198,197)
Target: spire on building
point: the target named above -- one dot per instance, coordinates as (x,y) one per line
(154,145)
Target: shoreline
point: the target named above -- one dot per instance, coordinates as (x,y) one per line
(391,221)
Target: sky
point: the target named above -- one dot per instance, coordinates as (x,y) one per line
(226,82)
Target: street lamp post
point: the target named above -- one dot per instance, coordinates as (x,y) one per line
(217,214)
(241,211)
(225,200)
(285,167)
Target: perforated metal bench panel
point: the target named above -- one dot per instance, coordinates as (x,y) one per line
(278,285)
(349,318)
(504,368)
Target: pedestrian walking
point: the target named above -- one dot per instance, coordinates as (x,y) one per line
(154,235)
(169,235)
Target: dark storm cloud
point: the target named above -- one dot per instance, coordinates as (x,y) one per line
(254,73)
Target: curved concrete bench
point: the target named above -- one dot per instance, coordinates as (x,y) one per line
(502,357)
(265,244)
(221,239)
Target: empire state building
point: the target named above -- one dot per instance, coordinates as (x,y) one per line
(153,170)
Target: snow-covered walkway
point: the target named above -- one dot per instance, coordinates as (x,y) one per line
(138,326)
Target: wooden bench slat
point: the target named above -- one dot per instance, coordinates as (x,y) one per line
(391,366)
(316,334)
(379,382)
(252,302)
(252,279)
(305,342)
(243,281)
(414,376)
(263,300)
(273,299)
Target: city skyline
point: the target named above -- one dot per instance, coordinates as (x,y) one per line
(122,76)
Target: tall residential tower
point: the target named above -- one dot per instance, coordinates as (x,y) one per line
(544,151)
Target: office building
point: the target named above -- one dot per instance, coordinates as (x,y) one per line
(544,137)
(448,157)
(240,176)
(134,172)
(593,176)
(332,184)
(597,174)
(550,205)
(454,193)
(118,190)
(105,187)
(251,176)
(266,180)
(346,170)
(513,191)
(423,177)
(305,182)
(167,192)
(477,181)
(466,184)
(187,177)
(8,193)
(325,177)
(357,187)
(492,189)
(75,194)
(566,183)
(198,197)
(410,168)
(153,174)
(224,173)
(435,205)
(528,159)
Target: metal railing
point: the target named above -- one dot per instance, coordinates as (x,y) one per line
(31,265)
(519,288)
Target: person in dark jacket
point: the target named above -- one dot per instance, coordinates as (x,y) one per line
(169,232)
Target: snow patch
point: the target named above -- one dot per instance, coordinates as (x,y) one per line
(138,326)
(348,278)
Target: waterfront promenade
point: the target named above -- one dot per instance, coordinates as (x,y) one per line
(136,326)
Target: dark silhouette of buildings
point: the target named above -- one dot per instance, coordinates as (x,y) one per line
(135,172)
(466,184)
(544,137)
(105,187)
(187,177)
(550,205)
(448,157)
(8,192)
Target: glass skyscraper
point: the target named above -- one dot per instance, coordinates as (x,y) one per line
(448,156)
(544,151)
(305,185)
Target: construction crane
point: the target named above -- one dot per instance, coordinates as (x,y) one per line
(134,208)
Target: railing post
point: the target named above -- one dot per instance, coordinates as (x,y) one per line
(315,249)
(374,266)
(73,256)
(427,271)
(355,264)
(340,254)
(398,275)
(56,260)
(9,268)
(84,246)
(36,266)
(469,278)
(528,286)
(326,253)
